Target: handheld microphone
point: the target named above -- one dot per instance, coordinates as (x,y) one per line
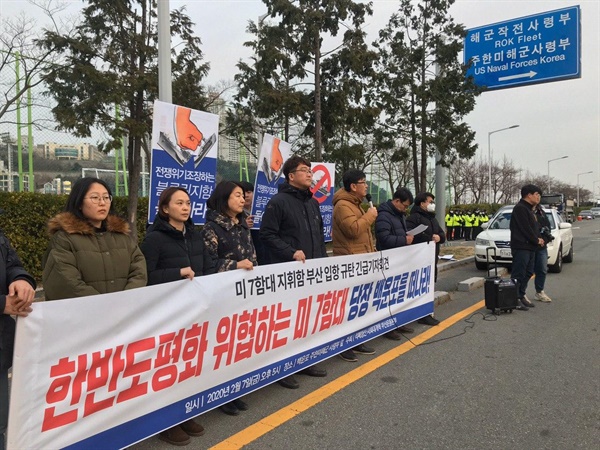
(368,197)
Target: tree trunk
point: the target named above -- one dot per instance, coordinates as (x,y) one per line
(414,144)
(134,163)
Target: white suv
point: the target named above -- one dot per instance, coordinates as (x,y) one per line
(496,234)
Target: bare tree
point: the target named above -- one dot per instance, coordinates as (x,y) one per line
(458,180)
(22,61)
(397,165)
(478,180)
(509,182)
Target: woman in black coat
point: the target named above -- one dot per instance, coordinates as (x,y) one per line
(226,234)
(228,241)
(174,250)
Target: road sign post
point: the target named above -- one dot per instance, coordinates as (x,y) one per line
(533,49)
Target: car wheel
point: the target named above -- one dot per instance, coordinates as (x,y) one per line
(557,266)
(569,256)
(481,265)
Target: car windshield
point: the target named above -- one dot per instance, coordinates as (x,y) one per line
(502,221)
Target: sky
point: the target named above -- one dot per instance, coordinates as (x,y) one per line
(555,119)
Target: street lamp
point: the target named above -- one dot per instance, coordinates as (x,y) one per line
(549,161)
(582,173)
(490,158)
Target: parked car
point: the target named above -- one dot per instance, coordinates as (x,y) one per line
(595,211)
(496,234)
(586,214)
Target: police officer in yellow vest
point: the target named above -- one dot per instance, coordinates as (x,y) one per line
(469,219)
(476,225)
(449,226)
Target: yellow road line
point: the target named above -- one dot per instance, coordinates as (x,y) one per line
(271,422)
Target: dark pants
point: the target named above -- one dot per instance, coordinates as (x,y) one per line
(540,268)
(450,233)
(522,268)
(468,233)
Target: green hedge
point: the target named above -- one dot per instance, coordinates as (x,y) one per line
(24,221)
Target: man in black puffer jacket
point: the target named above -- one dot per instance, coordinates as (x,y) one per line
(292,229)
(525,239)
(390,231)
(292,226)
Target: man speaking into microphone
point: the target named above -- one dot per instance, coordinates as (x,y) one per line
(351,232)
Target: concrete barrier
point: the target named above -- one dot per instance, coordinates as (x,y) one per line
(470,284)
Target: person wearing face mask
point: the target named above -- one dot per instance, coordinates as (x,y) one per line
(449,224)
(423,213)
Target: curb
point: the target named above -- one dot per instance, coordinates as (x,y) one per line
(441,297)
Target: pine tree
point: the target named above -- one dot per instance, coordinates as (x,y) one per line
(420,106)
(111,60)
(282,89)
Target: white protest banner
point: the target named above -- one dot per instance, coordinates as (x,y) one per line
(184,153)
(323,185)
(110,370)
(269,174)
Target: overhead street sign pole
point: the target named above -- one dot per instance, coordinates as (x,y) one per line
(534,49)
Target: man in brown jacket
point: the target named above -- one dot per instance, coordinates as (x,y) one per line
(351,233)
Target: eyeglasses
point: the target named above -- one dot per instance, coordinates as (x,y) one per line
(95,199)
(302,170)
(361,182)
(406,205)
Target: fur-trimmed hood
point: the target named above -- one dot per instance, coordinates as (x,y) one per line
(71,224)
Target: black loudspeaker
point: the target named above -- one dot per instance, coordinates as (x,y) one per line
(501,294)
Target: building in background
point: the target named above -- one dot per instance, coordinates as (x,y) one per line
(53,150)
(9,181)
(57,186)
(229,148)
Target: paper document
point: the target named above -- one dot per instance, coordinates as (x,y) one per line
(448,257)
(417,230)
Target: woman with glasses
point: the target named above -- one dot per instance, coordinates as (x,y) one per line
(90,251)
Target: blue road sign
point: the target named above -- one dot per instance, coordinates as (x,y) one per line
(533,49)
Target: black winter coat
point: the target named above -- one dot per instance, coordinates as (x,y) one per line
(168,250)
(543,222)
(11,269)
(227,242)
(419,216)
(524,230)
(292,221)
(390,227)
